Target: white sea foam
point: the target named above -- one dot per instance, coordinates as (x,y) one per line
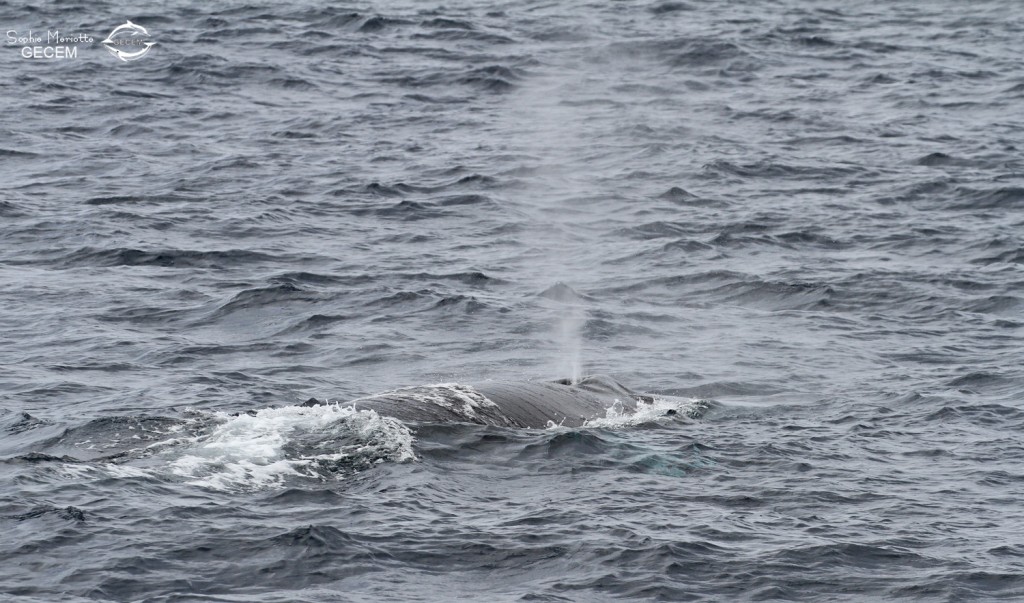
(262,449)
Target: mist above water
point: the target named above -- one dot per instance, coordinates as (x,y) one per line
(570,317)
(552,123)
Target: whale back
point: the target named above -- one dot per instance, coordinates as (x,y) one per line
(538,404)
(504,403)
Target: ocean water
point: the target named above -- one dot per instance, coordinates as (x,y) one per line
(806,218)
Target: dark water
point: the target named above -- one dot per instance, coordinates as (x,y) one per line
(808,213)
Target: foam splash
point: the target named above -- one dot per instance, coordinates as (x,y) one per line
(262,449)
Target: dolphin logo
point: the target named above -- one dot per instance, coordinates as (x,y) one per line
(128,35)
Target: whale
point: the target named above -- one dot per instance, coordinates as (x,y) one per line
(523,404)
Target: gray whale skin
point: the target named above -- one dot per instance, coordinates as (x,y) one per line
(505,403)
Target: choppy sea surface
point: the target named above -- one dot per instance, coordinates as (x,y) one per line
(807,216)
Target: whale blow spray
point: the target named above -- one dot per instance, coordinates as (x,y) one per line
(571,316)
